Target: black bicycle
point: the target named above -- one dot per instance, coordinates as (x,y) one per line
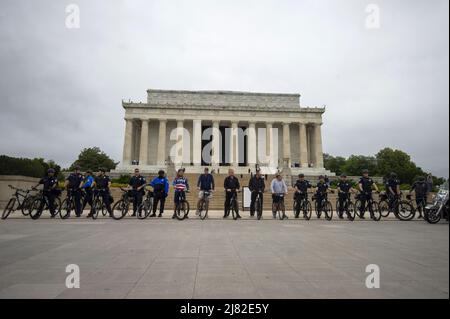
(259,205)
(146,206)
(278,207)
(203,205)
(98,203)
(233,206)
(402,209)
(302,204)
(323,206)
(370,204)
(182,207)
(41,203)
(348,208)
(122,206)
(20,200)
(68,204)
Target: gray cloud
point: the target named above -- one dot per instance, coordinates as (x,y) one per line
(61,89)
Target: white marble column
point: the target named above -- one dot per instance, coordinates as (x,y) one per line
(180,143)
(251,144)
(197,142)
(303,145)
(318,151)
(234,145)
(215,157)
(143,149)
(128,142)
(162,142)
(286,144)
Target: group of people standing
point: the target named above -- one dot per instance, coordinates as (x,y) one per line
(83,187)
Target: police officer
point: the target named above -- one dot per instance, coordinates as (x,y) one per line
(137,185)
(231,185)
(103,184)
(301,187)
(73,184)
(420,188)
(256,185)
(344,188)
(50,182)
(366,186)
(393,188)
(321,192)
(87,185)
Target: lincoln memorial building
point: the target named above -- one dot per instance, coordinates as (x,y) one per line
(220,129)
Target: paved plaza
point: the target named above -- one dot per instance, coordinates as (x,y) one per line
(164,258)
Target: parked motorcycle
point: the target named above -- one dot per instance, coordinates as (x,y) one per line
(439,208)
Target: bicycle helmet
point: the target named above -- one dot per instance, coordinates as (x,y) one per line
(50,170)
(365,171)
(301,175)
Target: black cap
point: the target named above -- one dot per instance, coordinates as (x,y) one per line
(301,175)
(343,175)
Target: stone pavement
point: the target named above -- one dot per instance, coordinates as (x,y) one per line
(164,258)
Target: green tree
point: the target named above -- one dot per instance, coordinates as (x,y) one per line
(389,160)
(36,167)
(334,164)
(356,163)
(93,158)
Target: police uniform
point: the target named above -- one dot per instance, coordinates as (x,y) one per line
(101,183)
(49,183)
(343,195)
(135,183)
(392,183)
(75,180)
(367,184)
(256,185)
(321,192)
(302,186)
(232,183)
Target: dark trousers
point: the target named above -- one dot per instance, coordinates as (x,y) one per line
(364,199)
(319,199)
(88,198)
(159,198)
(137,199)
(342,199)
(50,196)
(76,196)
(253,200)
(106,200)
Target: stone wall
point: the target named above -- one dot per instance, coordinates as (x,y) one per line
(16,181)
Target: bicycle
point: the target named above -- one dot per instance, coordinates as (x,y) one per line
(349,208)
(233,205)
(41,203)
(203,205)
(20,200)
(146,206)
(99,204)
(370,204)
(402,209)
(182,207)
(68,203)
(259,205)
(324,206)
(279,208)
(122,206)
(303,205)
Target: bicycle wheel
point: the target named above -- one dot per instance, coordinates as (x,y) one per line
(281,211)
(374,210)
(384,208)
(358,208)
(338,209)
(350,210)
(316,208)
(258,208)
(405,211)
(235,210)
(307,210)
(57,205)
(120,209)
(26,205)
(66,208)
(9,208)
(96,208)
(203,209)
(328,211)
(145,208)
(36,208)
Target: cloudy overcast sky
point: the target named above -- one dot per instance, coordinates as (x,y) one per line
(61,89)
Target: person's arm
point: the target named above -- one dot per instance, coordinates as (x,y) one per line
(271,186)
(187,185)
(285,187)
(199,181)
(238,185)
(376,187)
(263,188)
(360,186)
